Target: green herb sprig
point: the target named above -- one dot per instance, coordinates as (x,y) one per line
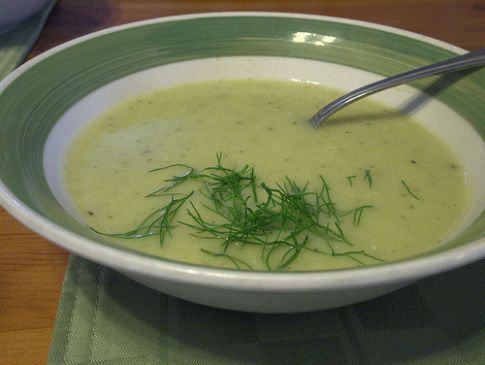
(408,189)
(368,177)
(283,220)
(158,223)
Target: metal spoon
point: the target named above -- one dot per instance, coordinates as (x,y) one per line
(472,59)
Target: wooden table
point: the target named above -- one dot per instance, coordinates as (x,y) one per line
(32,269)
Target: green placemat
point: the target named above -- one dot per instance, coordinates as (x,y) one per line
(16,43)
(106,318)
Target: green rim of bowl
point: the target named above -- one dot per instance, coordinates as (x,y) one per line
(36,96)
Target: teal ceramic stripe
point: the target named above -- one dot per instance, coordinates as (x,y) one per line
(32,104)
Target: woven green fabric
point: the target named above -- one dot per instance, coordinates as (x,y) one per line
(16,43)
(106,318)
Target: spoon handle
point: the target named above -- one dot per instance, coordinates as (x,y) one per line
(471,59)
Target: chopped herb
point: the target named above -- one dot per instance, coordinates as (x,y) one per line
(237,262)
(409,190)
(358,213)
(368,177)
(349,179)
(174,180)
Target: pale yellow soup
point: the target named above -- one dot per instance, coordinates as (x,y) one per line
(368,154)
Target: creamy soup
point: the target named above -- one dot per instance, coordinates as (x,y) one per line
(372,186)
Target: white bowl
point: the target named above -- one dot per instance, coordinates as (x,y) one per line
(41,108)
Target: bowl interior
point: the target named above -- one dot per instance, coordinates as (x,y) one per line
(42,107)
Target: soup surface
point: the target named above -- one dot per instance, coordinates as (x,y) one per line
(371,186)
